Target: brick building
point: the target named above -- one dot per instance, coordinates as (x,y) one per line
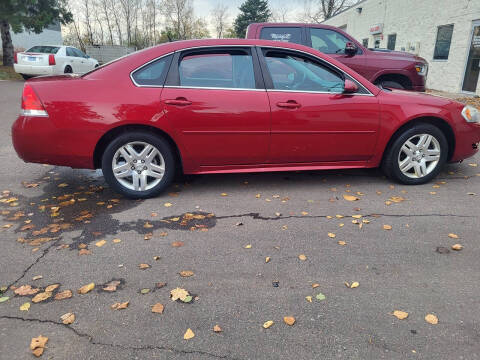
(444,32)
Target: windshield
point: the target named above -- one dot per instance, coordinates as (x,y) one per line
(44,49)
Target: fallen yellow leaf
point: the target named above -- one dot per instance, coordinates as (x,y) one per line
(179,293)
(387,227)
(267,259)
(87,288)
(350,198)
(431,319)
(186,273)
(308,298)
(400,314)
(341,242)
(120,306)
(302,257)
(354,285)
(63,295)
(457,247)
(52,287)
(331,235)
(25,306)
(41,297)
(188,334)
(289,320)
(267,324)
(100,243)
(217,328)
(68,318)
(453,236)
(249,246)
(167,204)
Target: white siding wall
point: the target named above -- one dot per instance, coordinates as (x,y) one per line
(25,40)
(415,22)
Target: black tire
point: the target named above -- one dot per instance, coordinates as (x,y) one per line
(139,136)
(68,70)
(26,77)
(391,85)
(390,164)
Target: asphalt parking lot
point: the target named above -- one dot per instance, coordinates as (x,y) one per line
(248,248)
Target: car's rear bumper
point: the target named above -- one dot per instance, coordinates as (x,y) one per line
(34,69)
(38,140)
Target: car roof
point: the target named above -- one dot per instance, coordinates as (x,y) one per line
(137,59)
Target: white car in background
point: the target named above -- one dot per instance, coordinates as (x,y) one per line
(52,60)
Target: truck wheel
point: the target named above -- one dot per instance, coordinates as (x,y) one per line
(391,84)
(417,155)
(138,165)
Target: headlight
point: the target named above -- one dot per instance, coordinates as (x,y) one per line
(422,69)
(471,114)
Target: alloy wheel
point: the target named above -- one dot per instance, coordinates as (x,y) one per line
(138,166)
(419,156)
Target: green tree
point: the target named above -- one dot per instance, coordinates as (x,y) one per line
(28,15)
(251,11)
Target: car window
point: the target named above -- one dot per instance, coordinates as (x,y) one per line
(153,74)
(223,69)
(70,52)
(286,34)
(44,49)
(295,72)
(328,41)
(78,53)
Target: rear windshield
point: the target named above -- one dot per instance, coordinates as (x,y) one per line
(44,49)
(286,34)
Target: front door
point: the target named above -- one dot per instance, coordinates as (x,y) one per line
(312,121)
(218,104)
(472,69)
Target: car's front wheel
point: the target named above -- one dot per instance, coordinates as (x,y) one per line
(417,155)
(138,165)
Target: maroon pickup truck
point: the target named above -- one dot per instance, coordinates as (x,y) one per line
(384,68)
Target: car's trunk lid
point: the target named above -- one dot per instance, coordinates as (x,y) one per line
(33,59)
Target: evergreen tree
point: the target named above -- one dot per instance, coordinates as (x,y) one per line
(28,15)
(251,11)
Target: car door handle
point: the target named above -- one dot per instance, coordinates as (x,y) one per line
(290,104)
(180,101)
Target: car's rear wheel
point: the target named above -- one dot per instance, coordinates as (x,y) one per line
(26,77)
(417,155)
(138,165)
(68,69)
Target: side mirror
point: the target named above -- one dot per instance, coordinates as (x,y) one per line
(350,49)
(350,87)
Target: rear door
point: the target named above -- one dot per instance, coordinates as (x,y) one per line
(216,100)
(73,60)
(312,120)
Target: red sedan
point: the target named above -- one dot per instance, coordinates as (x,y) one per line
(212,106)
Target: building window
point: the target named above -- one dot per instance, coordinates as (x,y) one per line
(365,42)
(442,45)
(392,38)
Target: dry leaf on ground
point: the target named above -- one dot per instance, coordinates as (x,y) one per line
(188,334)
(100,243)
(400,314)
(267,324)
(350,198)
(25,306)
(68,318)
(217,329)
(186,273)
(387,227)
(26,290)
(87,288)
(143,266)
(51,288)
(66,294)
(158,308)
(41,297)
(457,247)
(179,293)
(289,320)
(37,345)
(453,236)
(302,257)
(120,306)
(431,319)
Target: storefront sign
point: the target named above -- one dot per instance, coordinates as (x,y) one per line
(376,29)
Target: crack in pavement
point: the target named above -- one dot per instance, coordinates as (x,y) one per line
(37,260)
(257,216)
(124,347)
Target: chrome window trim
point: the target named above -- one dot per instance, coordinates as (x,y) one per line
(323,61)
(142,66)
(317,92)
(210,88)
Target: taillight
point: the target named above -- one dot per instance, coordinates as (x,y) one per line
(15,57)
(31,104)
(51,59)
